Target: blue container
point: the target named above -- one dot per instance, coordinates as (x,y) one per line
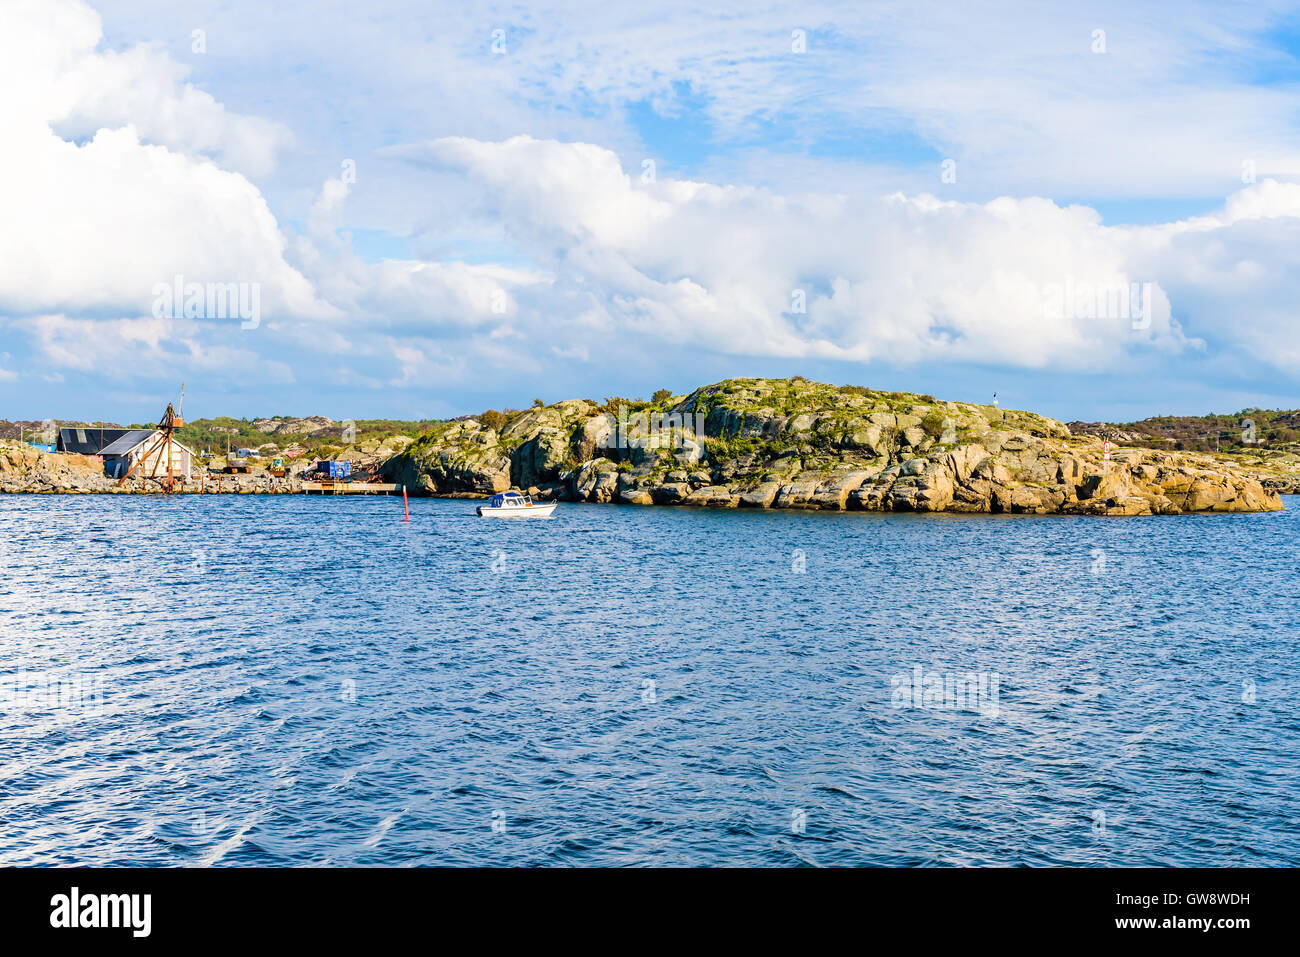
(335,470)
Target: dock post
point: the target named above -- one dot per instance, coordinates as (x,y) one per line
(406,509)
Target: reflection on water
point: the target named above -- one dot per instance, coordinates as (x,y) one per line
(295,680)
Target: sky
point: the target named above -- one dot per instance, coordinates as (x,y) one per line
(417,210)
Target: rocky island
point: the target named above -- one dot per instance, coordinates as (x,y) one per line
(794,443)
(763,443)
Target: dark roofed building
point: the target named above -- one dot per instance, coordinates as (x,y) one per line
(87,440)
(126,441)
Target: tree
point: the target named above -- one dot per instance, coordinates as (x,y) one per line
(661,395)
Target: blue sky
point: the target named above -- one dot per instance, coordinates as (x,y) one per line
(446,209)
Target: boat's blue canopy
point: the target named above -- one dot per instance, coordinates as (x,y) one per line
(499,500)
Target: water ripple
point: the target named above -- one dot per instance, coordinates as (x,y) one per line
(299,682)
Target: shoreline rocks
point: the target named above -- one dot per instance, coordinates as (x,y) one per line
(796,444)
(27,470)
(774,443)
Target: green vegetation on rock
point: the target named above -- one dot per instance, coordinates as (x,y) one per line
(795,443)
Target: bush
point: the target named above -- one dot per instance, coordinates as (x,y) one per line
(494,420)
(661,395)
(933,423)
(613,402)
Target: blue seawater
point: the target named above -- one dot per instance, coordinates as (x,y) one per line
(301,680)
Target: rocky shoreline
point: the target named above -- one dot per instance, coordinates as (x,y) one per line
(770,443)
(24,469)
(792,443)
(1283,485)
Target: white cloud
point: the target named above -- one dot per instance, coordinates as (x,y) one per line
(1234,275)
(94,226)
(1015,93)
(587,265)
(50,50)
(896,278)
(428,294)
(1184,94)
(145,88)
(149,348)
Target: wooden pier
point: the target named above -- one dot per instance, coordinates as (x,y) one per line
(350,488)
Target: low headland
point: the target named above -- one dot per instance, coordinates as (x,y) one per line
(793,443)
(776,443)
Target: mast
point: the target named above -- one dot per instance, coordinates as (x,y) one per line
(167,425)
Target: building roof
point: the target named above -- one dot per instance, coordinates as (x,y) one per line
(127,441)
(87,440)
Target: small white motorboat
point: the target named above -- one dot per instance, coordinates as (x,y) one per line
(514,505)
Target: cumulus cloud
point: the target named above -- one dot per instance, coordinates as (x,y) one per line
(145,88)
(50,49)
(743,270)
(95,225)
(119,175)
(1235,274)
(428,295)
(149,348)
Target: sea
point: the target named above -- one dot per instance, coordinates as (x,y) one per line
(313,681)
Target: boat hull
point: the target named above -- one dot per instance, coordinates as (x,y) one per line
(536,510)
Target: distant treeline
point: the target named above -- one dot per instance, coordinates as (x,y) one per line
(215,434)
(1247,429)
(1244,430)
